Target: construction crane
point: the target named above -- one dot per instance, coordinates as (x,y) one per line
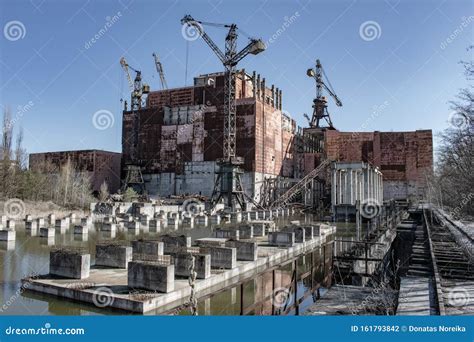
(138,89)
(134,177)
(320,103)
(228,184)
(159,69)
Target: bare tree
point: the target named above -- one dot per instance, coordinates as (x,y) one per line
(454,177)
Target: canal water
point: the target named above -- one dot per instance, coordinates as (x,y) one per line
(29,256)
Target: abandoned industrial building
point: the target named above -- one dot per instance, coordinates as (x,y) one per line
(220,202)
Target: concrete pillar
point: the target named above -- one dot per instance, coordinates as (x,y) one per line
(69,264)
(151,276)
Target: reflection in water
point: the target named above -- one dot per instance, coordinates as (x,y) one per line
(7,245)
(30,256)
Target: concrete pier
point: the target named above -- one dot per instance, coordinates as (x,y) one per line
(31,225)
(269,257)
(112,255)
(133,227)
(216,219)
(201,220)
(80,230)
(216,242)
(300,232)
(171,242)
(69,264)
(86,221)
(148,247)
(7,235)
(202,264)
(108,227)
(61,224)
(246,250)
(282,239)
(222,257)
(150,276)
(154,225)
(245,231)
(46,232)
(226,233)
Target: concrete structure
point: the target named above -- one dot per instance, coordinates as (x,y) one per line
(100,166)
(148,247)
(181,131)
(404,158)
(222,257)
(151,276)
(171,242)
(282,239)
(7,235)
(246,250)
(354,184)
(46,232)
(112,255)
(164,302)
(226,233)
(202,264)
(80,230)
(69,264)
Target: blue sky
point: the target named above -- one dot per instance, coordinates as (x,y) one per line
(406,73)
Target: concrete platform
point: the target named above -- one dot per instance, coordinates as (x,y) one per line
(85,290)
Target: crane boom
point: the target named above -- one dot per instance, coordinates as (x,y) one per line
(124,65)
(161,73)
(320,111)
(229,176)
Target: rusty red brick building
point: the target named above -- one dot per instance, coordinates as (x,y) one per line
(180,136)
(100,166)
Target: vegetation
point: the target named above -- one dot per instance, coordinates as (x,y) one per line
(453,183)
(64,186)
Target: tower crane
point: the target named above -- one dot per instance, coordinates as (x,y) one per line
(320,106)
(138,89)
(159,69)
(228,184)
(134,177)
